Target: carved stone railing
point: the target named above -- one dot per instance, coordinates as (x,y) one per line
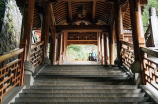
(150,66)
(11,74)
(127,54)
(37,54)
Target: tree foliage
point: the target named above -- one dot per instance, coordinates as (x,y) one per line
(80,51)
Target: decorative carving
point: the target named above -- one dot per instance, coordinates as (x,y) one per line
(82,37)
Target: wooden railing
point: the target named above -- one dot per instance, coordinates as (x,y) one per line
(150,67)
(37,54)
(11,74)
(127,54)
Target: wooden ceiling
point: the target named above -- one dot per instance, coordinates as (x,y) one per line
(99,12)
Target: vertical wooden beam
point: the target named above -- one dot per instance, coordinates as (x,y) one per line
(70,10)
(94,9)
(102,49)
(105,49)
(28,25)
(136,26)
(53,43)
(117,30)
(65,45)
(60,47)
(137,40)
(53,48)
(98,35)
(112,54)
(45,28)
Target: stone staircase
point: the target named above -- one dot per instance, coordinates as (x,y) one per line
(82,85)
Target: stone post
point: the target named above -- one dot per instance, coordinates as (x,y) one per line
(154,26)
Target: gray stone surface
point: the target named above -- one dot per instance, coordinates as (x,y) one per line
(151,91)
(28,80)
(154,26)
(79,89)
(11,28)
(47,61)
(28,68)
(10,96)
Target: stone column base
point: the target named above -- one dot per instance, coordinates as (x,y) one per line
(28,80)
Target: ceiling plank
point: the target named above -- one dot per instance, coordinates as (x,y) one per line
(94,9)
(70,11)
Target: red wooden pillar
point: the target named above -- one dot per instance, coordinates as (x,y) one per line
(105,50)
(98,41)
(65,46)
(118,30)
(135,10)
(28,26)
(112,47)
(45,28)
(60,47)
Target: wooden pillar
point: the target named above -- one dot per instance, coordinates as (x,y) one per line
(53,48)
(45,28)
(60,47)
(117,29)
(28,25)
(137,40)
(65,46)
(102,49)
(136,27)
(105,50)
(98,35)
(62,52)
(112,46)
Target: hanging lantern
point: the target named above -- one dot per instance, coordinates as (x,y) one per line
(81,11)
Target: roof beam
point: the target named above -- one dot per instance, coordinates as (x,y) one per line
(93,13)
(70,11)
(52,16)
(83,28)
(87,0)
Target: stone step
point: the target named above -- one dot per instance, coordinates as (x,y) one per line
(87,87)
(83,103)
(81,91)
(43,79)
(82,95)
(82,99)
(72,83)
(106,77)
(86,75)
(80,73)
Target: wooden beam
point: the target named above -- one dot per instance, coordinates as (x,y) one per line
(28,26)
(79,28)
(52,16)
(70,11)
(82,42)
(87,0)
(94,8)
